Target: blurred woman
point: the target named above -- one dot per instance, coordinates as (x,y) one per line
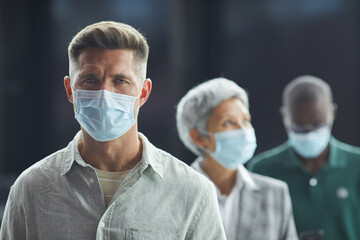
(214,122)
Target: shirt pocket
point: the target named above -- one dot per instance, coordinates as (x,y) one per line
(144,234)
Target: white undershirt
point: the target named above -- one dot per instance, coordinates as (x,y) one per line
(110,182)
(229,211)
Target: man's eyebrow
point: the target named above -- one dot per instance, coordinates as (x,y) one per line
(120,76)
(124,77)
(88,75)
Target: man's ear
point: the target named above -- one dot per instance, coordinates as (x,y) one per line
(199,139)
(335,110)
(68,89)
(284,116)
(145,91)
(282,111)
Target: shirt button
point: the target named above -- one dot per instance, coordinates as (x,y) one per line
(313,182)
(91,180)
(102,224)
(342,193)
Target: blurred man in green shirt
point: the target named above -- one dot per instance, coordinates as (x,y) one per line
(323,174)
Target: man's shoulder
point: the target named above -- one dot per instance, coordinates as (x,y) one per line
(175,169)
(181,170)
(182,175)
(269,157)
(41,171)
(346,148)
(347,154)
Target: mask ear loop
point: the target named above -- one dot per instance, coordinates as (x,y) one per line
(286,118)
(73,91)
(74,98)
(207,135)
(141,88)
(139,94)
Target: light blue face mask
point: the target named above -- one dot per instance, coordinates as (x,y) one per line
(234,147)
(311,144)
(104,115)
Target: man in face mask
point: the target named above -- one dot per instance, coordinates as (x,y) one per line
(321,172)
(110,182)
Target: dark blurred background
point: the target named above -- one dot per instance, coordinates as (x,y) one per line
(261,45)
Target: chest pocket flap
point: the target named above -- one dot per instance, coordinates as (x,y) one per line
(141,234)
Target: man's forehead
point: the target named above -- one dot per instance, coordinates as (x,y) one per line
(306,91)
(313,112)
(98,70)
(309,104)
(90,54)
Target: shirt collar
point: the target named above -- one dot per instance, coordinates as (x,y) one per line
(335,161)
(243,177)
(335,158)
(152,156)
(149,156)
(247,179)
(72,154)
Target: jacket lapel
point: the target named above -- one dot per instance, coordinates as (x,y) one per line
(250,206)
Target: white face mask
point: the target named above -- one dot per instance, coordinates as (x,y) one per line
(311,144)
(104,115)
(234,147)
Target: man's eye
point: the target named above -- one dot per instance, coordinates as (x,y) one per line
(120,81)
(89,80)
(319,125)
(301,128)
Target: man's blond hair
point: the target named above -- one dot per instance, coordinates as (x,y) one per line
(110,35)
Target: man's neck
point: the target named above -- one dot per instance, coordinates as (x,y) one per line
(314,165)
(116,155)
(223,178)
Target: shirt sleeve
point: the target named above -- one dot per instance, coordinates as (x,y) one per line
(13,222)
(207,222)
(288,224)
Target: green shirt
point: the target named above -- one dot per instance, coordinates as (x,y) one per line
(330,200)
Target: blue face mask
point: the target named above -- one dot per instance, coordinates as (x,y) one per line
(311,144)
(104,115)
(234,147)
